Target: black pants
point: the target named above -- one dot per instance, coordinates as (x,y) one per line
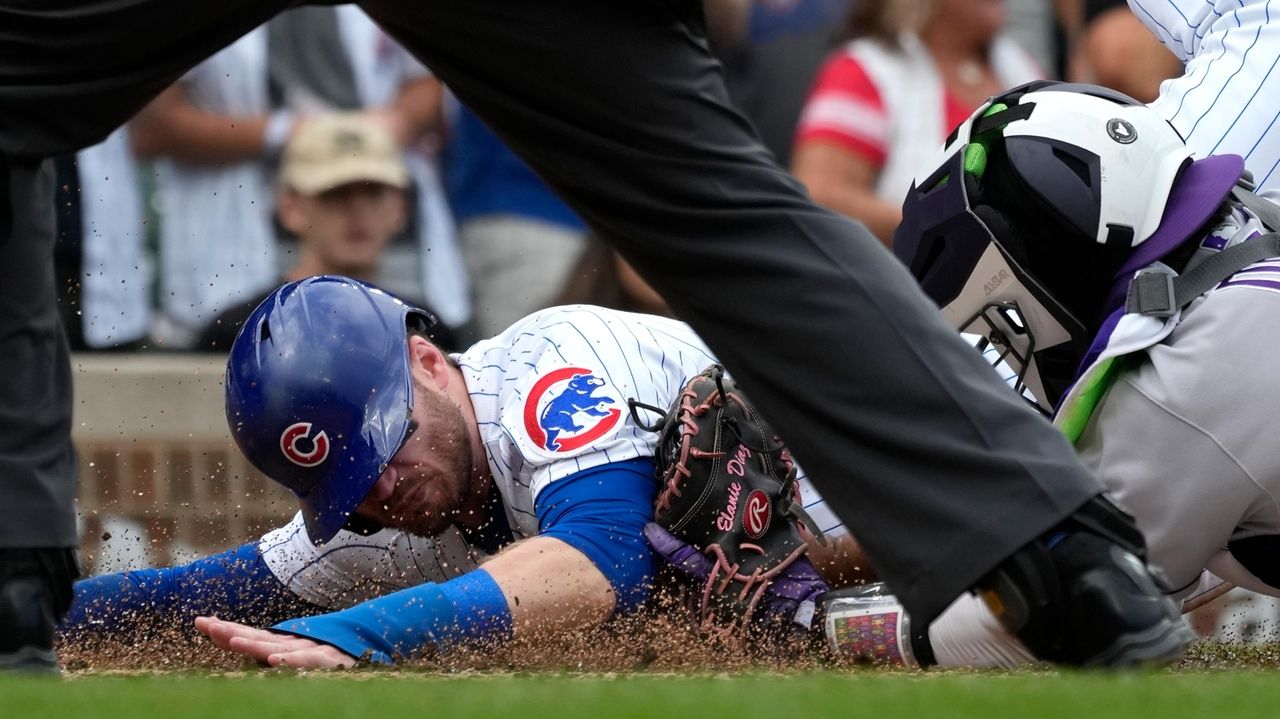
(37,465)
(939,470)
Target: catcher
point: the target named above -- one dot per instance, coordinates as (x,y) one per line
(1128,287)
(445,499)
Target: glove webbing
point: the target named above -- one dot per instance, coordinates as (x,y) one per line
(754,585)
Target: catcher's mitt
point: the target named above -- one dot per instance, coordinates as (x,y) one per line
(730,505)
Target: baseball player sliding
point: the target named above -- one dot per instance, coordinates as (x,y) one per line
(413,466)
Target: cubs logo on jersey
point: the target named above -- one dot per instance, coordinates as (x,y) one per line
(569,408)
(301,450)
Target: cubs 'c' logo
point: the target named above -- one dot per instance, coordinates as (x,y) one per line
(563,412)
(289,440)
(756,514)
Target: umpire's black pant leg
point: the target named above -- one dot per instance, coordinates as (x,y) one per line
(71,71)
(37,463)
(936,466)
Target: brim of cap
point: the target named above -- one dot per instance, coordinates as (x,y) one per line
(331,502)
(314,179)
(1196,196)
(326,509)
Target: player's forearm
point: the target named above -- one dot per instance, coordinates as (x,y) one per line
(841,562)
(539,585)
(590,559)
(235,584)
(467,609)
(551,587)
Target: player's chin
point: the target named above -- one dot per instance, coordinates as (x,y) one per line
(424,518)
(429,524)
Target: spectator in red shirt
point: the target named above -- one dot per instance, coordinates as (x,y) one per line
(883,103)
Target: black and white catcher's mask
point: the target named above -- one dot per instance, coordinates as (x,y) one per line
(1032,205)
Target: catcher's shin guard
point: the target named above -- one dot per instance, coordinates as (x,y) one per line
(35,593)
(868,624)
(1083,595)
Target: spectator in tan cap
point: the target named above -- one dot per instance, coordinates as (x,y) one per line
(343,193)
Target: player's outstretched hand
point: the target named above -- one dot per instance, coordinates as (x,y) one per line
(273,648)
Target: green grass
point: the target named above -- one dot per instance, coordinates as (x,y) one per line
(861,694)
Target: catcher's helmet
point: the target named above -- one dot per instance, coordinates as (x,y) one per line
(319,393)
(1034,203)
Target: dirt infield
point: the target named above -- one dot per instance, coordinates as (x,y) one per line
(627,645)
(646,644)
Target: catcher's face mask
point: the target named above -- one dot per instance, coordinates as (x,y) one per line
(1033,204)
(993,297)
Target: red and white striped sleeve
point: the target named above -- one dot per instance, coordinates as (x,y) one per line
(845,107)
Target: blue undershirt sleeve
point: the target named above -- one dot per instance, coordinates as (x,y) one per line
(470,608)
(601,512)
(235,585)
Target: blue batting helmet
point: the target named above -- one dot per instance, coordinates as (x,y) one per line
(319,393)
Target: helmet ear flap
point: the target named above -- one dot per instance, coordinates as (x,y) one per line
(973,189)
(1002,229)
(996,222)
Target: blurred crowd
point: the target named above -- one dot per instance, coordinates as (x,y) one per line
(279,158)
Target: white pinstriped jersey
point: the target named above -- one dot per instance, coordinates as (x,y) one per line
(550,397)
(1225,102)
(352,568)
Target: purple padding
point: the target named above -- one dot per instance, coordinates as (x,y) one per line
(1196,195)
(1099,343)
(1214,242)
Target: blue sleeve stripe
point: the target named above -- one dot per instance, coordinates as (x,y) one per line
(601,512)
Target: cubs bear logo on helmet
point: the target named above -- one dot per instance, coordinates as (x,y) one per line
(319,394)
(1034,205)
